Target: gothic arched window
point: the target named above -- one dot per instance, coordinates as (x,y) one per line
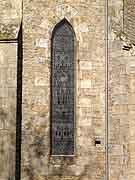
(63,89)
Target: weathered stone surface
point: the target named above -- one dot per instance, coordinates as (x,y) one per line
(88,19)
(8,78)
(10,18)
(121,94)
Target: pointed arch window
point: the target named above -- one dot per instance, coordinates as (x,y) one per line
(63,90)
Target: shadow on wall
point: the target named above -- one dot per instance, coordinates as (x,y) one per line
(19,106)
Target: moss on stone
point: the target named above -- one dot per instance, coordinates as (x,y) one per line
(6,36)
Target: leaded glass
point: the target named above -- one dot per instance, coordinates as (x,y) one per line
(63,90)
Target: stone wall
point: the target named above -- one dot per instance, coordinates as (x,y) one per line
(10,19)
(8,69)
(121,91)
(129,24)
(117,95)
(88,20)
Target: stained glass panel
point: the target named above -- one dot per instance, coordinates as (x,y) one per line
(63,88)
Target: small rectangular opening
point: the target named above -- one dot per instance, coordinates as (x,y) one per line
(97,142)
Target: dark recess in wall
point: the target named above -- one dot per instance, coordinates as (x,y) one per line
(19,106)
